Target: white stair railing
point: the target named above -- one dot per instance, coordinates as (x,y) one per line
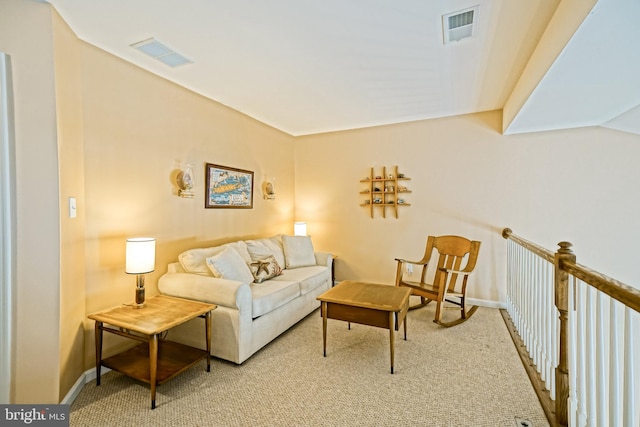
(580,330)
(530,305)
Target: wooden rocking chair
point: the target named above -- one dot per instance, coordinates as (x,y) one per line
(452,251)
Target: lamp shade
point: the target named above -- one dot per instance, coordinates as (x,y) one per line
(300,228)
(141,255)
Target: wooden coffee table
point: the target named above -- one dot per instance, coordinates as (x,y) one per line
(154,361)
(382,306)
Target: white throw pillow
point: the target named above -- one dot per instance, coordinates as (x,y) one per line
(194,260)
(228,264)
(298,251)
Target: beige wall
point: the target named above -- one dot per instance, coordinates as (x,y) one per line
(68,72)
(468,179)
(26,35)
(138,130)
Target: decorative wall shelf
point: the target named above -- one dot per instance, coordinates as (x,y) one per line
(385,191)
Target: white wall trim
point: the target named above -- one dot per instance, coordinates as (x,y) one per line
(7,229)
(76,389)
(485,303)
(86,377)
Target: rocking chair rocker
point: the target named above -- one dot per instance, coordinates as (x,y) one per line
(452,250)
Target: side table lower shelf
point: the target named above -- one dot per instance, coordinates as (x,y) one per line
(173,358)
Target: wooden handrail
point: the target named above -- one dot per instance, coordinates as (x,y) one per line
(565,264)
(617,290)
(627,295)
(536,249)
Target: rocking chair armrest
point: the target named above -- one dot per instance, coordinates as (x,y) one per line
(451,270)
(421,262)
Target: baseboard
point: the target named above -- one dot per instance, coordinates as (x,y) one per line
(485,303)
(87,376)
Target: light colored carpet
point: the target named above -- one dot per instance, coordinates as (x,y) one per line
(468,375)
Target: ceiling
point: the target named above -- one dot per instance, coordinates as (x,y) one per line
(312,66)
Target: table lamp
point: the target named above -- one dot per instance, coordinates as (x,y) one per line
(141,259)
(300,228)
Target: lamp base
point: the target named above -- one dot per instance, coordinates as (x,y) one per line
(139,292)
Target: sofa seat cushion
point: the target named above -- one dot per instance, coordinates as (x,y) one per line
(271,294)
(309,278)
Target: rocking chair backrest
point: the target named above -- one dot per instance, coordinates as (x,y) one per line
(452,251)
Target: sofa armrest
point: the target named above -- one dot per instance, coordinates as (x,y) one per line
(324,259)
(223,292)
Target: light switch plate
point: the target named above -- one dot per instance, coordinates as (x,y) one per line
(72,207)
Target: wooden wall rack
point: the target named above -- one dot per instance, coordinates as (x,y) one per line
(385,190)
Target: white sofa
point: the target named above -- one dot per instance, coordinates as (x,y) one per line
(249,314)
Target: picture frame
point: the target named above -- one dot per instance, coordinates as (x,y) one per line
(227,187)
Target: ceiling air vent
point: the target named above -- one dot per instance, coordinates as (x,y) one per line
(158,51)
(459,25)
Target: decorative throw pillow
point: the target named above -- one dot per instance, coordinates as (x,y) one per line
(298,251)
(265,268)
(228,264)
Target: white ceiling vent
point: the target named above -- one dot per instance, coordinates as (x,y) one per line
(459,25)
(158,51)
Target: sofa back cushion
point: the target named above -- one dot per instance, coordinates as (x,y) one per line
(298,251)
(175,267)
(261,248)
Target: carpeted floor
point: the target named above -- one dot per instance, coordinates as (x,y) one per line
(468,375)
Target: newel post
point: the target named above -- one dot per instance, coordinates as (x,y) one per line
(562,303)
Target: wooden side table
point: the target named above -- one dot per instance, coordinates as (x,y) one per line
(370,304)
(155,361)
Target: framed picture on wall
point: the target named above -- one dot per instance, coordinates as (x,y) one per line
(227,187)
